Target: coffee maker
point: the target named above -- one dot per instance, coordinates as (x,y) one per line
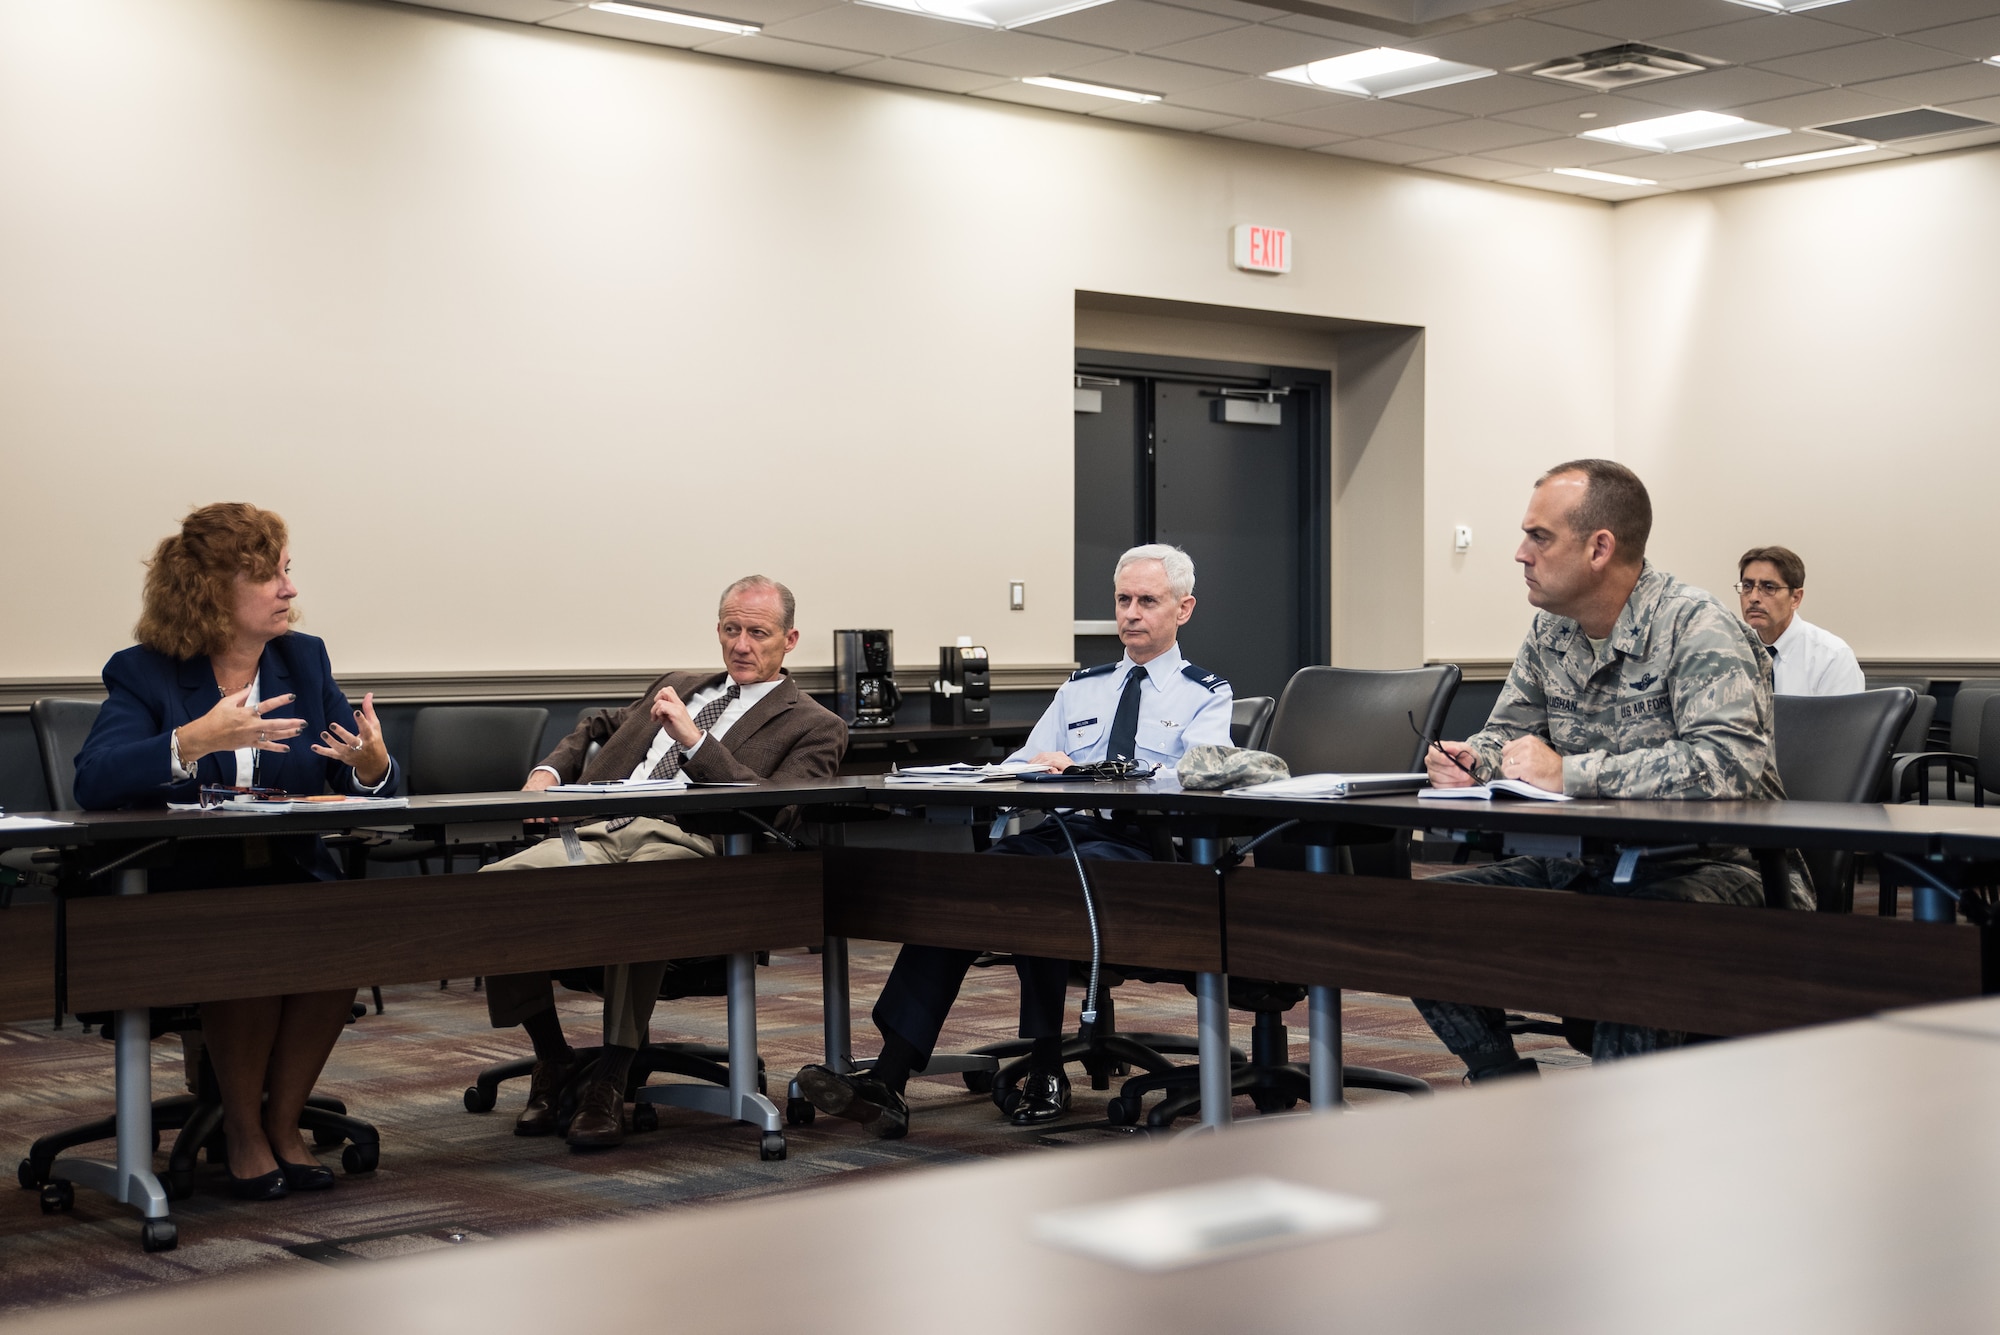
(960,695)
(864,680)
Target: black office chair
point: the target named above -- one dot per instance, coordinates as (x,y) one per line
(1836,748)
(61,727)
(54,723)
(465,749)
(1329,720)
(1916,733)
(1926,775)
(1250,721)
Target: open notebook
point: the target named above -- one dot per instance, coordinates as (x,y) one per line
(1483,792)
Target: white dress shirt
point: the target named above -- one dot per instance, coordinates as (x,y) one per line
(1180,705)
(1809,661)
(746,699)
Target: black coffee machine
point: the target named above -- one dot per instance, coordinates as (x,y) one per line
(964,684)
(864,678)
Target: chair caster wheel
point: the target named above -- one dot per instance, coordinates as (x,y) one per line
(1120,1111)
(57,1196)
(979,1082)
(479,1100)
(799,1112)
(645,1117)
(358,1159)
(1270,1103)
(1008,1099)
(179,1186)
(771,1146)
(326,1139)
(159,1235)
(30,1179)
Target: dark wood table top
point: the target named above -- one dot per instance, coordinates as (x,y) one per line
(1810,1181)
(940,732)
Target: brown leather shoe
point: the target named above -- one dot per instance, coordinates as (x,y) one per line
(544,1092)
(600,1119)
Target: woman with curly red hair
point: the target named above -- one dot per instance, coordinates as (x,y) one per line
(219,691)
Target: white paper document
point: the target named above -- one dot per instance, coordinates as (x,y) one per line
(33,823)
(1486,792)
(962,774)
(623,786)
(280,808)
(1333,786)
(1167,1230)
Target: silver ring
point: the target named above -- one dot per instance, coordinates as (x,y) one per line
(260,736)
(357,746)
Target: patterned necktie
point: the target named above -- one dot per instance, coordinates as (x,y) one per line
(1125,723)
(670,763)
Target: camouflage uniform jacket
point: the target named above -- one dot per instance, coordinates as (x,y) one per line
(1676,704)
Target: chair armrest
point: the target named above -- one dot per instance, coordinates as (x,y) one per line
(1912,773)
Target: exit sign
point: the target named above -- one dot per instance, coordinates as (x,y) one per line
(1262,249)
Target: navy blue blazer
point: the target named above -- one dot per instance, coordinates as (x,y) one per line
(125,762)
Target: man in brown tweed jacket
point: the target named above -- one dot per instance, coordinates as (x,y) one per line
(747,723)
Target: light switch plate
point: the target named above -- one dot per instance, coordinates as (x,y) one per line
(1017,594)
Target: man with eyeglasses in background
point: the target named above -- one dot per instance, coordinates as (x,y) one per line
(1805,660)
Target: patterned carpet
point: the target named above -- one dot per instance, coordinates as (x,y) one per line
(449,1177)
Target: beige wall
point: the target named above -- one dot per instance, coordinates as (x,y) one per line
(1811,362)
(538,339)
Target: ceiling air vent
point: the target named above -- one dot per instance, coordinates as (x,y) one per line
(1898,125)
(1617,67)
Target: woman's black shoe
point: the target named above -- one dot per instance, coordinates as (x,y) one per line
(264,1187)
(306,1176)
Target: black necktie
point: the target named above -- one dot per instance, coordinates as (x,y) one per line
(1772,650)
(1125,723)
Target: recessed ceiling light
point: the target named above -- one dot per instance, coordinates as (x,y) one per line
(1840,152)
(1090,89)
(1613,177)
(1680,133)
(658,15)
(1381,72)
(987,13)
(1787,6)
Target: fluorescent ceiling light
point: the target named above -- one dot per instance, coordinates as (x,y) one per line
(987,13)
(658,15)
(1613,177)
(1680,133)
(1787,6)
(1382,72)
(1091,89)
(1840,152)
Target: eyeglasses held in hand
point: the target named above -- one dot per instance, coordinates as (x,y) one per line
(1763,586)
(1432,744)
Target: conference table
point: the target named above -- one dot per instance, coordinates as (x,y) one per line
(1702,967)
(1831,1179)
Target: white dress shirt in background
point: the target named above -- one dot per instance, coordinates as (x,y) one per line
(1809,661)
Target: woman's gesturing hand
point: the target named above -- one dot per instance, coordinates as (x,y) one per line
(363,748)
(233,725)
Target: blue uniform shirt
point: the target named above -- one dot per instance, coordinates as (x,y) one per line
(1180,706)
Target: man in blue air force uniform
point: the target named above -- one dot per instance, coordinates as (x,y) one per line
(1151,705)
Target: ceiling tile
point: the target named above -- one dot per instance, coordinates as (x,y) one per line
(1161,116)
(1831,164)
(777,51)
(1231,9)
(1985,109)
(1565,185)
(1834,104)
(1131,25)
(1254,50)
(1503,92)
(912,75)
(1379,150)
(1666,168)
(1358,116)
(1895,17)
(1506,44)
(1469,136)
(1563,153)
(1883,58)
(520,11)
(881,32)
(1642,20)
(1361,38)
(1777,146)
(1259,98)
(1284,136)
(1763,38)
(1944,143)
(1013,54)
(1568,117)
(1720,90)
(1958,83)
(1720,178)
(1978,39)
(766,12)
(632,30)
(1148,75)
(1050,99)
(1480,169)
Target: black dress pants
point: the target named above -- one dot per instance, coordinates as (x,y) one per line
(925,980)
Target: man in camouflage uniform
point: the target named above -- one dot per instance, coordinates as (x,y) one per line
(1630,684)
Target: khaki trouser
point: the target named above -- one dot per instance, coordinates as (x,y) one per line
(629,989)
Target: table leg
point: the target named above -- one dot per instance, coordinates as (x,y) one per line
(1324,1061)
(836,1003)
(1211,993)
